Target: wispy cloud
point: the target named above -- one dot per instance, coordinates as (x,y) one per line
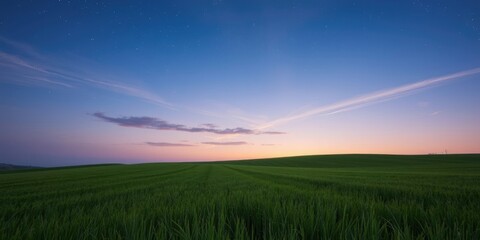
(225,143)
(28,65)
(166,144)
(273,132)
(268,144)
(158,124)
(22,47)
(209,125)
(380,96)
(22,64)
(50,81)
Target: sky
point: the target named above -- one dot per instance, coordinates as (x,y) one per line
(88,82)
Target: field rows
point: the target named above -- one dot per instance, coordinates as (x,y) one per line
(245,200)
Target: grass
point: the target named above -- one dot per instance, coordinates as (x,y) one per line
(312,197)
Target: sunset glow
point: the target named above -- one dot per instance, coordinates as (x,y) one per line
(87,83)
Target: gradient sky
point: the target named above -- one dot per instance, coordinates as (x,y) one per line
(85,82)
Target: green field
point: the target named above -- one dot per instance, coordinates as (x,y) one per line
(313,197)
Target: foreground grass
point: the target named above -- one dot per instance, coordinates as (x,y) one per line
(317,197)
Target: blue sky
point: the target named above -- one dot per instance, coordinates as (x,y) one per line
(237,65)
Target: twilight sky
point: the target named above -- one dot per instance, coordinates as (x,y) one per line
(85,82)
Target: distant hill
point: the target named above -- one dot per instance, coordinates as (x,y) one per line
(7,167)
(359,160)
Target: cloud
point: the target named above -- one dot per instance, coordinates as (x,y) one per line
(27,65)
(371,98)
(42,79)
(166,144)
(273,132)
(22,64)
(209,125)
(158,124)
(22,47)
(225,143)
